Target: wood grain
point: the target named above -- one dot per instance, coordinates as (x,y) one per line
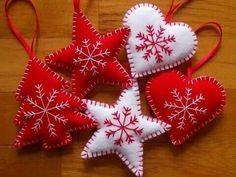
(212,152)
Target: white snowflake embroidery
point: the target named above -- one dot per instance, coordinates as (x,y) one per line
(154,43)
(90,57)
(46,108)
(123,125)
(185,108)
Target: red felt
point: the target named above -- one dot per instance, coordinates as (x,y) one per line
(29,49)
(103,67)
(174,8)
(47,114)
(173,98)
(38,72)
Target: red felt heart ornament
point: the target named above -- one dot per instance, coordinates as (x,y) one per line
(186,105)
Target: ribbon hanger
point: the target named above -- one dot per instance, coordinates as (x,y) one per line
(216,26)
(76,5)
(174,8)
(30,49)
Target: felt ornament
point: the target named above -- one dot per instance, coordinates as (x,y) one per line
(122,129)
(91,57)
(155,42)
(186,104)
(47,112)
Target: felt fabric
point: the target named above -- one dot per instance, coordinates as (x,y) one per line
(122,129)
(155,45)
(35,73)
(47,113)
(92,57)
(187,105)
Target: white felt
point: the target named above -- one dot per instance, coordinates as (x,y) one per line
(130,153)
(147,14)
(152,127)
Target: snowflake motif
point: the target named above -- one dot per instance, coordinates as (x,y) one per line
(90,57)
(185,108)
(45,110)
(123,125)
(154,43)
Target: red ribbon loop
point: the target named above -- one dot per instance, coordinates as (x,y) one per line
(212,52)
(29,48)
(76,5)
(174,8)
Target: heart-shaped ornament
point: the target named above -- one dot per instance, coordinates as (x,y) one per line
(187,105)
(155,45)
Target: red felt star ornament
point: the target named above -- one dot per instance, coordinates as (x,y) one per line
(48,113)
(92,57)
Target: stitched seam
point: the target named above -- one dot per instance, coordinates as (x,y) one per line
(19,95)
(220,109)
(167,66)
(139,170)
(118,65)
(68,139)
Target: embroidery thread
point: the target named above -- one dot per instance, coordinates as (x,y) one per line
(154,43)
(124,125)
(90,57)
(185,107)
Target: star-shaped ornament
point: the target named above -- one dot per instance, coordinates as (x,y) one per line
(48,113)
(122,129)
(92,57)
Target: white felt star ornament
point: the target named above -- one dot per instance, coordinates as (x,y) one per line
(122,129)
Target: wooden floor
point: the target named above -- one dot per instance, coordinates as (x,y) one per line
(211,153)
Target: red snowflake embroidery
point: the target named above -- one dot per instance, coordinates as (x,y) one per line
(123,126)
(154,43)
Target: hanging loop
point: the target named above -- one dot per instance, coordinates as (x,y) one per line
(174,8)
(216,26)
(76,5)
(30,49)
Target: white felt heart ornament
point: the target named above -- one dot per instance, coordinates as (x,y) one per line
(155,45)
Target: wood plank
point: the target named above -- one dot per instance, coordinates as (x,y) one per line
(55,18)
(160,159)
(10,81)
(29,162)
(194,13)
